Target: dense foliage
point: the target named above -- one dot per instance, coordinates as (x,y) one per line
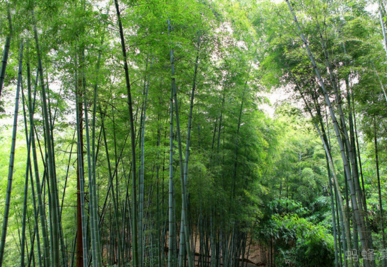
(140,133)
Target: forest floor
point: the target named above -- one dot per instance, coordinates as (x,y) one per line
(256,255)
(241,263)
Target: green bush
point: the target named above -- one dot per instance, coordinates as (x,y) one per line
(297,241)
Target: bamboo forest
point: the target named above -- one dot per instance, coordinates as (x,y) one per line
(185,133)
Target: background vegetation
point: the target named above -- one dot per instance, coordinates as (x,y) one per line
(133,133)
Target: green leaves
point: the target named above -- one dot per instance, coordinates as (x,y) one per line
(298,240)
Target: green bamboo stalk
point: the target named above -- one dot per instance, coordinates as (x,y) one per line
(142,169)
(158,224)
(359,217)
(357,148)
(28,141)
(347,244)
(31,256)
(115,209)
(67,173)
(379,190)
(28,168)
(187,151)
(55,188)
(41,209)
(331,184)
(73,250)
(382,25)
(184,230)
(114,174)
(351,156)
(4,61)
(55,194)
(92,205)
(36,228)
(333,211)
(12,158)
(31,106)
(141,180)
(5,52)
(170,199)
(132,131)
(94,155)
(53,204)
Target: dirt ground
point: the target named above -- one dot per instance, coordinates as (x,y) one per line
(255,254)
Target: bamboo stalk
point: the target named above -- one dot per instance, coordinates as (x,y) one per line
(359,218)
(5,51)
(132,131)
(80,173)
(53,201)
(12,158)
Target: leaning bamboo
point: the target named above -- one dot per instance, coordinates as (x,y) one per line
(53,205)
(31,105)
(184,230)
(350,151)
(28,140)
(12,158)
(92,205)
(4,61)
(5,52)
(347,244)
(383,27)
(133,139)
(41,209)
(358,216)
